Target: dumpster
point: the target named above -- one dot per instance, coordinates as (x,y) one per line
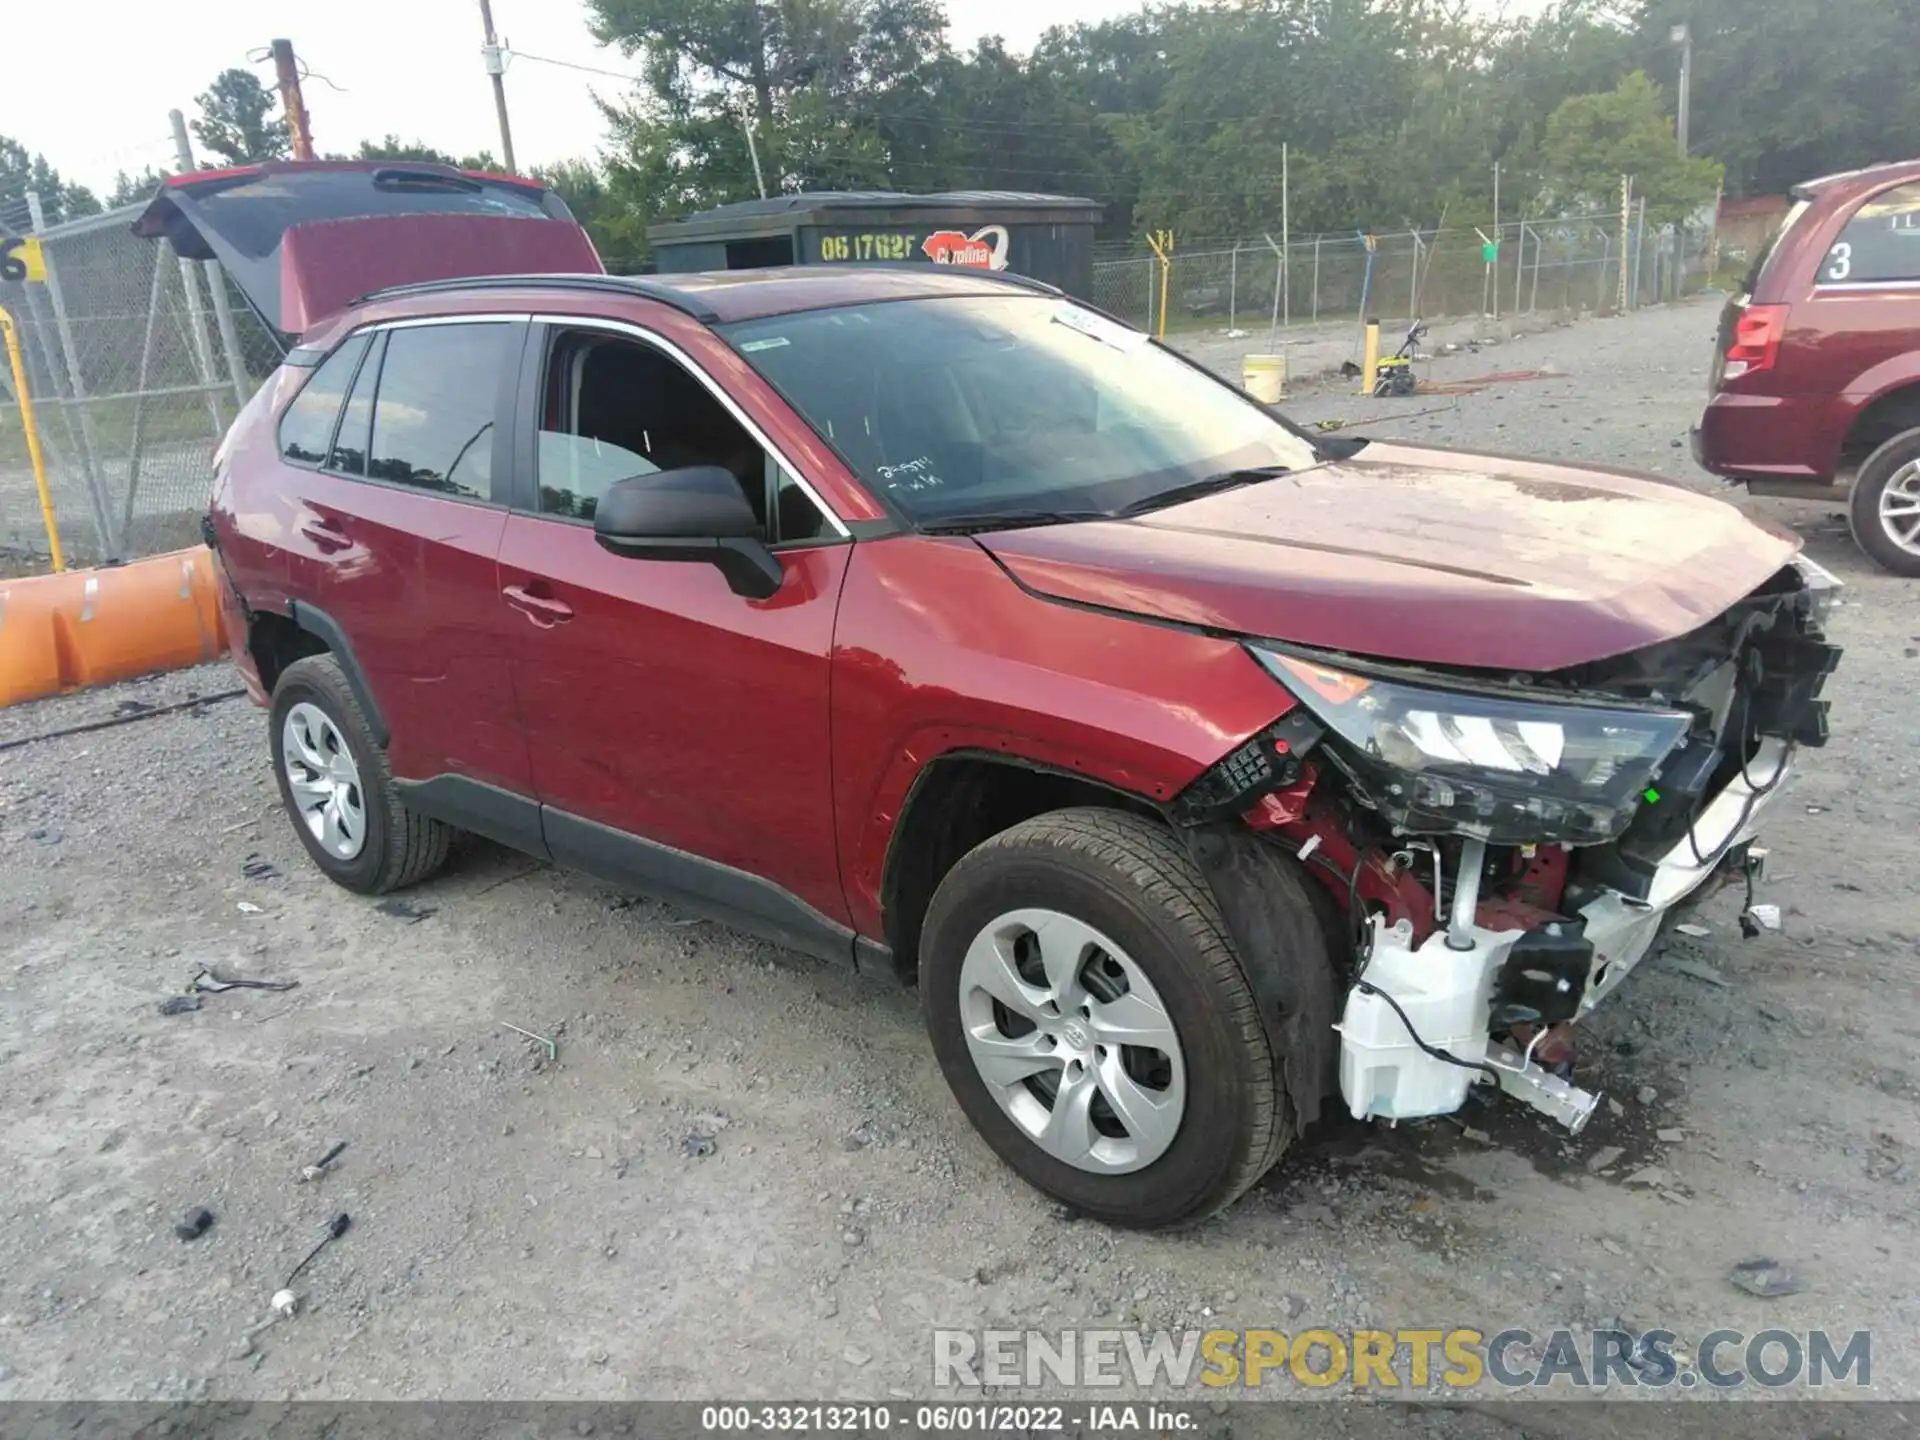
(1046,237)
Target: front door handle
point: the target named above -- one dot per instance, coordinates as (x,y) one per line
(326,534)
(543,610)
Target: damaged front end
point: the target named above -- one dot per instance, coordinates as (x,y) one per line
(1506,848)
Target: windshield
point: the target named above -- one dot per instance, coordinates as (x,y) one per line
(1010,405)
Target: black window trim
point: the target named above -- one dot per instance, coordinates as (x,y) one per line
(504,411)
(524,496)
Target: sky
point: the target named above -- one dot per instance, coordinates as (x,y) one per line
(89,85)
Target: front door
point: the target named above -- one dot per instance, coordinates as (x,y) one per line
(678,731)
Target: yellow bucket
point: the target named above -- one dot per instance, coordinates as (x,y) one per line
(1264,377)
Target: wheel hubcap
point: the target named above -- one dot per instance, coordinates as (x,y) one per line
(1900,508)
(1073,1041)
(324,781)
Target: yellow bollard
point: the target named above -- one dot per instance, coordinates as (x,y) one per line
(1162,243)
(32,432)
(1370,366)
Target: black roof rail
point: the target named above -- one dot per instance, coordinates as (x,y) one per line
(620,284)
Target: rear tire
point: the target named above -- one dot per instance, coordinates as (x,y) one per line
(1134,912)
(338,790)
(1884,509)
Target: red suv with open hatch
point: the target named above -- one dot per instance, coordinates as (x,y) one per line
(1201,772)
(1816,376)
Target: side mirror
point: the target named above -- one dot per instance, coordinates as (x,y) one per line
(694,513)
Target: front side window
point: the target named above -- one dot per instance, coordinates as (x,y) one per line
(306,429)
(1880,243)
(614,409)
(983,405)
(434,406)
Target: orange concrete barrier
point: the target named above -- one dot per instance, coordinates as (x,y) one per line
(92,627)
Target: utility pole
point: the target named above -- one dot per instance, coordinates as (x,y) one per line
(287,73)
(1495,262)
(497,71)
(746,124)
(1682,37)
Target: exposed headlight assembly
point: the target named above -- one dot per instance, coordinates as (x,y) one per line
(1513,771)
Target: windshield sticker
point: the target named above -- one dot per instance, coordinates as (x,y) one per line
(1098,327)
(912,475)
(749,347)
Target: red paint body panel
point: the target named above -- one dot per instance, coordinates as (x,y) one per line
(669,707)
(937,651)
(1419,554)
(1842,350)
(326,265)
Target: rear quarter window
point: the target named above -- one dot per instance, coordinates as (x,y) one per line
(1880,243)
(306,429)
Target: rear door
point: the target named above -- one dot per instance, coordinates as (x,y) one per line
(396,532)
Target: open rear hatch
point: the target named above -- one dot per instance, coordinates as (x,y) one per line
(304,240)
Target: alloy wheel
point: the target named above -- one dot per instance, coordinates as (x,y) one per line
(323,779)
(1900,507)
(1073,1041)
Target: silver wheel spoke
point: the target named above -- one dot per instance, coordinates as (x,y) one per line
(1004,1061)
(1064,943)
(1069,1134)
(1132,1020)
(308,792)
(989,967)
(1151,1117)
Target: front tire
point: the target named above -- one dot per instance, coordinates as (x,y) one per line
(337,789)
(1884,509)
(1094,1023)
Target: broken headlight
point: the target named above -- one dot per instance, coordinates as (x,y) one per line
(1514,771)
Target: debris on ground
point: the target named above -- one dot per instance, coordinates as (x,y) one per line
(336,1227)
(180,1005)
(213,980)
(285,1302)
(318,1168)
(258,867)
(1603,1157)
(247,907)
(1693,931)
(697,1146)
(1695,970)
(407,910)
(553,1049)
(1767,916)
(1765,1278)
(197,1223)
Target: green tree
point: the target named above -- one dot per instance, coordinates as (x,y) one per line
(22,172)
(1592,140)
(135,189)
(1786,90)
(392,147)
(237,122)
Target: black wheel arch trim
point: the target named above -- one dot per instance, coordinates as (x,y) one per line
(326,629)
(1299,1001)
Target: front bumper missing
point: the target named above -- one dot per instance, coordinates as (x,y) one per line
(1444,994)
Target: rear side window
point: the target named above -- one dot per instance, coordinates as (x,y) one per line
(434,408)
(1880,244)
(306,429)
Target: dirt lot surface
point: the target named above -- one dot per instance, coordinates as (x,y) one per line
(743,1175)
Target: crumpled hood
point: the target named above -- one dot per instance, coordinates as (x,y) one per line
(1426,555)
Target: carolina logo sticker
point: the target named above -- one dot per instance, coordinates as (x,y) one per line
(985,249)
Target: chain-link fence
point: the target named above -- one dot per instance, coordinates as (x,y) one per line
(1259,285)
(136,363)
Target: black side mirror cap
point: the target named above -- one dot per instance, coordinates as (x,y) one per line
(698,512)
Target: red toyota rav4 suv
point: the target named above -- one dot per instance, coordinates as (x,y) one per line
(1201,772)
(1816,377)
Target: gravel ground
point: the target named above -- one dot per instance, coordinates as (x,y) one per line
(743,1174)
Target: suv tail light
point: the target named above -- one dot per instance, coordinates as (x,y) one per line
(1756,339)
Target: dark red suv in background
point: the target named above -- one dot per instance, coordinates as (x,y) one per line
(1816,377)
(1200,771)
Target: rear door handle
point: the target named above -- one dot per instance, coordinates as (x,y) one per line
(543,610)
(326,534)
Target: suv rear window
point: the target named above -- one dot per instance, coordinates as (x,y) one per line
(306,429)
(1880,244)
